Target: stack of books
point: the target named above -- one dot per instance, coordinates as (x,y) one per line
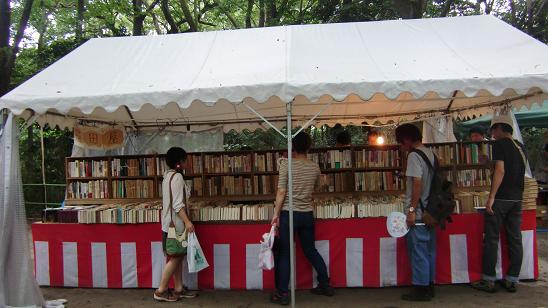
(530,193)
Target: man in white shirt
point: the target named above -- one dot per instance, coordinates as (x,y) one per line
(421,239)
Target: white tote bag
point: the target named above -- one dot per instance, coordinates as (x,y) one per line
(195,256)
(266,257)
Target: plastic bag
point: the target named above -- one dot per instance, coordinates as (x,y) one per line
(195,256)
(266,257)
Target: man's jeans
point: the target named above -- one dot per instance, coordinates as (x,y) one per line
(507,213)
(303,225)
(421,247)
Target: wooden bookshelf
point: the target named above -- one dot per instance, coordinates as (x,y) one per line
(260,166)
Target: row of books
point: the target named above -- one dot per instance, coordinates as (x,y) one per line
(193,165)
(473,177)
(468,202)
(266,162)
(88,168)
(377,158)
(133,213)
(473,153)
(229,185)
(378,181)
(335,210)
(257,212)
(335,182)
(445,153)
(265,184)
(220,213)
(88,190)
(133,167)
(133,189)
(334,159)
(227,163)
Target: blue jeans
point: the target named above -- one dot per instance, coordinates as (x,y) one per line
(303,225)
(421,246)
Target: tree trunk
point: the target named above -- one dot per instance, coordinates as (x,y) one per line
(138,17)
(261,13)
(446,8)
(42,28)
(409,9)
(188,16)
(228,15)
(173,27)
(529,4)
(248,13)
(271,12)
(80,20)
(346,11)
(5,21)
(7,54)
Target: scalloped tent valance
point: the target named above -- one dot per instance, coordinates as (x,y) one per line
(372,72)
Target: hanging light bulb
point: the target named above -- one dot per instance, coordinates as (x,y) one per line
(380,140)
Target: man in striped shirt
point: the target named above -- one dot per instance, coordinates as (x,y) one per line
(306,176)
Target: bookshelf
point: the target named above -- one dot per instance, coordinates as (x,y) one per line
(251,177)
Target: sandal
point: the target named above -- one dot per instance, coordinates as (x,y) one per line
(280,299)
(166,296)
(485,286)
(185,294)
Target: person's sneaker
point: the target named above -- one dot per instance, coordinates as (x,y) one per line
(432,290)
(485,286)
(509,286)
(185,294)
(326,291)
(165,296)
(280,299)
(418,294)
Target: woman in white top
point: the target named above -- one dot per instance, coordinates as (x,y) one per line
(177,195)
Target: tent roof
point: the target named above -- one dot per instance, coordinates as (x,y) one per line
(537,117)
(388,70)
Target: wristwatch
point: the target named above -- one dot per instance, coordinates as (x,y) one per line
(411,210)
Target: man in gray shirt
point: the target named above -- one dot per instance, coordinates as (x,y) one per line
(421,239)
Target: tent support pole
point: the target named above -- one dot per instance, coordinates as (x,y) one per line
(313,118)
(290,201)
(42,150)
(264,119)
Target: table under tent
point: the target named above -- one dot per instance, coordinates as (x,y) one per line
(293,76)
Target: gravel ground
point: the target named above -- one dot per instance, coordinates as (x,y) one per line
(530,294)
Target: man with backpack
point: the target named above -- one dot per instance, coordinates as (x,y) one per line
(503,207)
(421,238)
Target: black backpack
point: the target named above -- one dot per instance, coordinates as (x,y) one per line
(441,201)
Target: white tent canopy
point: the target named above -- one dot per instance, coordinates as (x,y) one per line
(375,71)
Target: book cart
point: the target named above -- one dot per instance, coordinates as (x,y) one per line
(232,199)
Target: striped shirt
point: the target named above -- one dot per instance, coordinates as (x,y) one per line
(306,175)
